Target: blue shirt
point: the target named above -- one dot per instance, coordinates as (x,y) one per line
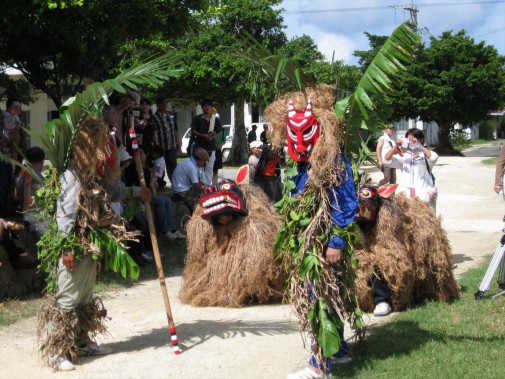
(343,199)
(185,176)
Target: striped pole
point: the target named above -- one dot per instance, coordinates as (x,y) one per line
(156,250)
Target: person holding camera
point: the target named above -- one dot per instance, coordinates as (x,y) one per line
(416,165)
(167,138)
(146,130)
(206,128)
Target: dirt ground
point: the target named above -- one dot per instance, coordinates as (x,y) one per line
(253,342)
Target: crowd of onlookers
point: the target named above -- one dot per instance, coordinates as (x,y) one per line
(157,138)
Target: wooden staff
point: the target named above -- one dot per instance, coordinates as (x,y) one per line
(156,250)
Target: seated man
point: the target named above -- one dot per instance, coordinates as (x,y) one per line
(188,183)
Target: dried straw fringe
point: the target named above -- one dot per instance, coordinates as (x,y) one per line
(233,265)
(56,329)
(411,251)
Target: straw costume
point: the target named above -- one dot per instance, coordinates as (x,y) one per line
(230,238)
(71,318)
(407,248)
(318,220)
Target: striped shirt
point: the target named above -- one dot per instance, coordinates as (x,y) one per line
(166,128)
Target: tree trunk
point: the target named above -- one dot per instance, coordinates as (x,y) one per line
(444,136)
(239,150)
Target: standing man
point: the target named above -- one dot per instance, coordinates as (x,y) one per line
(168,138)
(384,144)
(263,135)
(251,136)
(206,128)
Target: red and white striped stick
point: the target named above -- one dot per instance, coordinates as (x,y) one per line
(156,250)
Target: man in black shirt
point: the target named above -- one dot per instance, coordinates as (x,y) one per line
(205,129)
(251,136)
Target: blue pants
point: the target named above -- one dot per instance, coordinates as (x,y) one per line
(163,214)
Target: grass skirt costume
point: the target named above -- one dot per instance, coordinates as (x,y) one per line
(408,248)
(232,265)
(70,315)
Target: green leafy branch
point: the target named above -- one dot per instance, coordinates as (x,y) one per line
(116,257)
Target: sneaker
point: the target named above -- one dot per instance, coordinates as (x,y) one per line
(382,309)
(179,235)
(147,257)
(170,236)
(92,349)
(61,363)
(306,373)
(341,360)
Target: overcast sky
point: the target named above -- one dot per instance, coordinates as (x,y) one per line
(339,25)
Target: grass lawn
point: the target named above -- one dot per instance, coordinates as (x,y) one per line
(461,339)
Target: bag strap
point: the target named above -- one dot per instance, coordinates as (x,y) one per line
(429,170)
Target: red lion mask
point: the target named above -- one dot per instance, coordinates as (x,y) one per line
(302,132)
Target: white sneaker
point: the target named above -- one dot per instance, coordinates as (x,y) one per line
(170,236)
(92,349)
(61,363)
(179,234)
(306,373)
(148,256)
(382,309)
(341,360)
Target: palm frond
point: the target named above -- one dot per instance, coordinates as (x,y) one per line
(57,137)
(368,107)
(269,75)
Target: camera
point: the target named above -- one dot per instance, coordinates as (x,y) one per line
(134,112)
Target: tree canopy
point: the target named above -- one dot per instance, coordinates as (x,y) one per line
(454,80)
(58,49)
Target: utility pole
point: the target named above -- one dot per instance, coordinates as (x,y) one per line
(411,8)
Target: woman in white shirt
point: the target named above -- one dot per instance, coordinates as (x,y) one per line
(416,165)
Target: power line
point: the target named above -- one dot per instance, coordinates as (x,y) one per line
(393,6)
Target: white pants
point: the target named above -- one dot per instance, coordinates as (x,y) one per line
(209,168)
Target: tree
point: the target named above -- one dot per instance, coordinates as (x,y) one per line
(59,49)
(454,80)
(214,69)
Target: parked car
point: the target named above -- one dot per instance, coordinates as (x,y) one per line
(228,132)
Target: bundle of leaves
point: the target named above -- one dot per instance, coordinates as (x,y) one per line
(409,250)
(232,265)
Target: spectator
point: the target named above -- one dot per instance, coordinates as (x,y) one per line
(115,117)
(263,135)
(416,165)
(205,128)
(160,205)
(26,186)
(158,158)
(500,170)
(256,147)
(251,136)
(218,163)
(18,258)
(188,181)
(168,138)
(10,137)
(384,144)
(146,133)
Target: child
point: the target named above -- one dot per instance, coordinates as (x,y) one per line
(158,154)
